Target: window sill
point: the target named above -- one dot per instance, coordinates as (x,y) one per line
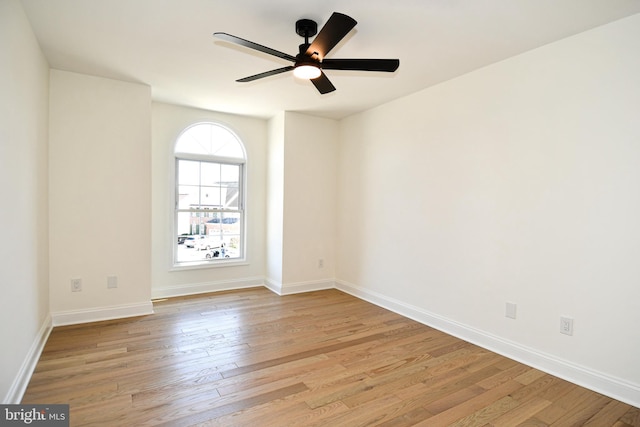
(200,265)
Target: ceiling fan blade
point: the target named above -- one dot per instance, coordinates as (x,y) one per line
(255,46)
(266,74)
(388,65)
(330,35)
(323,84)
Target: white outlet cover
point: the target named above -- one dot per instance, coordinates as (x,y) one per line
(112,282)
(76,285)
(566,325)
(510,310)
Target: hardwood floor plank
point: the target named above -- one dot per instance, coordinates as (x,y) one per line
(482,416)
(78,396)
(234,406)
(454,399)
(407,419)
(469,407)
(521,413)
(612,412)
(315,367)
(371,413)
(565,405)
(632,417)
(582,412)
(530,376)
(503,376)
(253,358)
(539,387)
(243,368)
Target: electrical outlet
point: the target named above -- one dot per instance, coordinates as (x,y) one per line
(76,285)
(510,310)
(320,263)
(112,282)
(566,325)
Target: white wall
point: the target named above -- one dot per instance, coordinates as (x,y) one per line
(301,203)
(100,196)
(168,122)
(275,203)
(517,182)
(24,305)
(310,200)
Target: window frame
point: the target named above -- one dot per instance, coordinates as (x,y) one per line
(242,202)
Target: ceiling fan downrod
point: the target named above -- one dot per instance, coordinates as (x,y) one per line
(306,67)
(306,28)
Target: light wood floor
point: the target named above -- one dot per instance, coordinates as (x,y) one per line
(252,358)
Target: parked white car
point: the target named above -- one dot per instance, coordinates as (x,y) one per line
(201,243)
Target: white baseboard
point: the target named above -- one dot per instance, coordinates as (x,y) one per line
(273,286)
(97,314)
(299,287)
(21,381)
(616,388)
(206,287)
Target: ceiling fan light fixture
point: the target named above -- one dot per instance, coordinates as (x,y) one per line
(307,72)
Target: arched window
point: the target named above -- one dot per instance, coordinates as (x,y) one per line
(209,202)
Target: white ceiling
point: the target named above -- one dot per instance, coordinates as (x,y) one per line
(168,45)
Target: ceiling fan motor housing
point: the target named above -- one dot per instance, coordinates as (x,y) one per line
(306,28)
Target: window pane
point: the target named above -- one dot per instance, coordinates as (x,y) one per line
(214,223)
(210,197)
(227,230)
(208,236)
(230,173)
(188,196)
(230,183)
(209,139)
(230,198)
(183,226)
(210,173)
(188,172)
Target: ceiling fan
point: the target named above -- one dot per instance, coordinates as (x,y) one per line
(310,61)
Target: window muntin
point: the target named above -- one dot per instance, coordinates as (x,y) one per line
(209,198)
